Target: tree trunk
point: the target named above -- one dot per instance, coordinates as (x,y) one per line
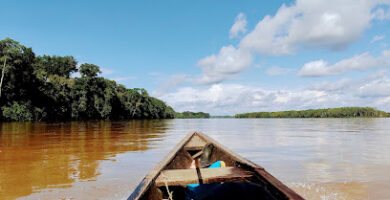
(2,75)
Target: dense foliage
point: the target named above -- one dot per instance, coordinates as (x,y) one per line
(222,116)
(41,88)
(188,114)
(319,113)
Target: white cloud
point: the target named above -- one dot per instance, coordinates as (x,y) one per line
(276,70)
(263,38)
(235,98)
(106,71)
(377,38)
(315,68)
(381,14)
(384,102)
(124,79)
(356,63)
(329,24)
(326,24)
(239,26)
(225,65)
(173,81)
(220,99)
(215,98)
(375,88)
(334,87)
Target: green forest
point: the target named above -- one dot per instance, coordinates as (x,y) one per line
(188,114)
(34,88)
(319,113)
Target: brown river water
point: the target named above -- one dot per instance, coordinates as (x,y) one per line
(318,158)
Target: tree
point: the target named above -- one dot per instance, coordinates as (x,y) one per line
(56,65)
(17,73)
(92,96)
(3,70)
(8,47)
(89,70)
(188,114)
(17,112)
(319,113)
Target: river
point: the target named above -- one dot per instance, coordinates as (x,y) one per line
(318,158)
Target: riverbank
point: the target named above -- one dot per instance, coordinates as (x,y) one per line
(344,112)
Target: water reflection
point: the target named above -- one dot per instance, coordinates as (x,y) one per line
(35,156)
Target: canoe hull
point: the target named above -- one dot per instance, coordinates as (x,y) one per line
(180,158)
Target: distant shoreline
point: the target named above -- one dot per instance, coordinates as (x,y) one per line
(343,112)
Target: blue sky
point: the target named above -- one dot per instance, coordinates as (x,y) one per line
(222,57)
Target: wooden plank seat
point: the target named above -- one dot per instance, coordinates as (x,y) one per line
(182,177)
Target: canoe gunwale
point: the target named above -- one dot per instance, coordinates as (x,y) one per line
(153,174)
(259,170)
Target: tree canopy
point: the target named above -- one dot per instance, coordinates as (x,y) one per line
(188,114)
(319,113)
(42,88)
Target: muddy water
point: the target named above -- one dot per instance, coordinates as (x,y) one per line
(319,158)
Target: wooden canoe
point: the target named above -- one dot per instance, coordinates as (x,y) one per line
(174,172)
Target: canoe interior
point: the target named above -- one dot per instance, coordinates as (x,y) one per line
(178,161)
